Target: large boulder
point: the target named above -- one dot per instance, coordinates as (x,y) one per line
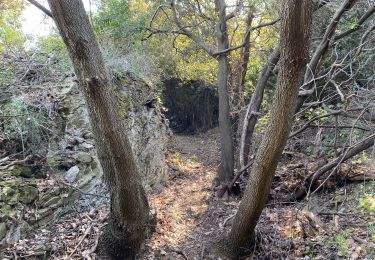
(145,126)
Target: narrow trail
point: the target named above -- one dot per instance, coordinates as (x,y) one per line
(183,203)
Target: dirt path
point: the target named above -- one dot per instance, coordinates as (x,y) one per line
(190,218)
(180,206)
(337,223)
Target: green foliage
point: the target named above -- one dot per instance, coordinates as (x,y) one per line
(371,229)
(11,37)
(339,241)
(116,20)
(27,121)
(54,46)
(367,203)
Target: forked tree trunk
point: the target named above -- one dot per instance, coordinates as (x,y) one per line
(226,135)
(295,25)
(129,214)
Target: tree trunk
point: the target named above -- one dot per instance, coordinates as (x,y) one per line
(226,137)
(238,80)
(253,108)
(296,20)
(129,216)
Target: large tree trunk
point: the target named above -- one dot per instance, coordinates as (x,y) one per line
(226,137)
(296,20)
(129,215)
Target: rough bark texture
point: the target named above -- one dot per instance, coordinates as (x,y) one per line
(253,108)
(129,217)
(226,134)
(296,20)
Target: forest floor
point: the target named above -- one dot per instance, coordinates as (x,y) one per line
(336,223)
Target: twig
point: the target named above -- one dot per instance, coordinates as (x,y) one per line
(4,159)
(202,254)
(81,240)
(180,252)
(81,191)
(360,240)
(227,219)
(16,162)
(239,173)
(93,248)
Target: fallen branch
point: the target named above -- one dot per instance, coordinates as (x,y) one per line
(81,191)
(81,240)
(310,180)
(239,173)
(16,162)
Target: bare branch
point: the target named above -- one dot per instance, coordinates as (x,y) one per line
(248,31)
(41,7)
(363,19)
(197,40)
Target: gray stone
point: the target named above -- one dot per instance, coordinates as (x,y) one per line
(83,157)
(51,201)
(71,174)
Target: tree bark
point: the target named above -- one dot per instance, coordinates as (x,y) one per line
(226,135)
(294,40)
(253,108)
(129,216)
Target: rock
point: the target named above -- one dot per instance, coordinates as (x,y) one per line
(87,146)
(9,195)
(83,157)
(145,126)
(71,174)
(44,198)
(7,211)
(3,230)
(51,201)
(28,194)
(19,170)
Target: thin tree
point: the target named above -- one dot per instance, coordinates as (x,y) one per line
(220,51)
(129,216)
(294,41)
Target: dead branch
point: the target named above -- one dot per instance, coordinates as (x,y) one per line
(301,192)
(16,162)
(239,173)
(358,25)
(81,240)
(320,52)
(253,108)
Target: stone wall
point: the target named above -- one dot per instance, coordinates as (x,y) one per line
(70,178)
